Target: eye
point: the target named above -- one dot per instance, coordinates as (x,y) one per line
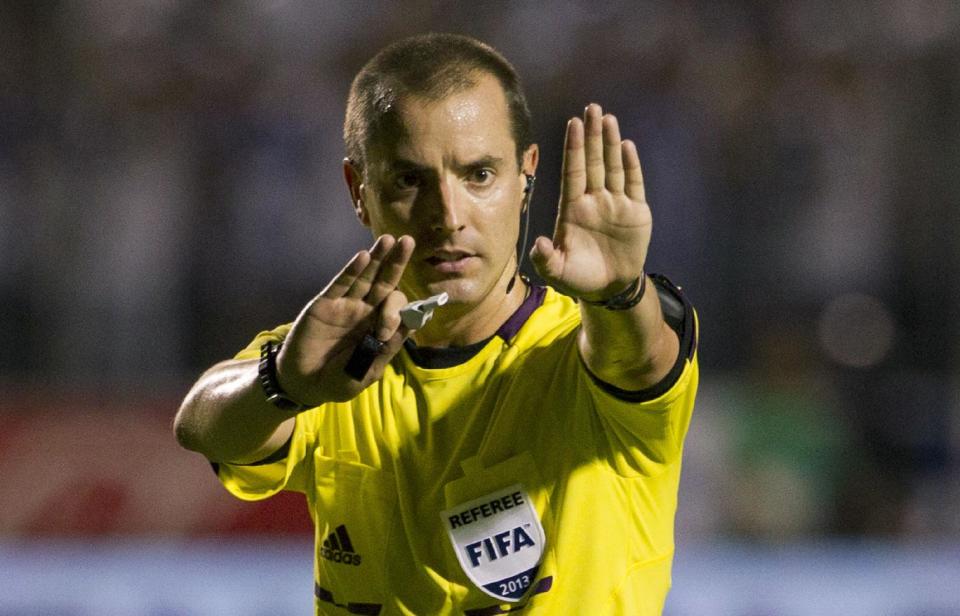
(481,176)
(407,180)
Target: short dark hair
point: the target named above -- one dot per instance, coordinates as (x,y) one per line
(433,66)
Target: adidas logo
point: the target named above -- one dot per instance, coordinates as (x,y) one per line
(338,548)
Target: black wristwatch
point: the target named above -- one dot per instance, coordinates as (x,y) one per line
(268,379)
(626,299)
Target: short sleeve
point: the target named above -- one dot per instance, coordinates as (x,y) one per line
(252,350)
(648,426)
(261,480)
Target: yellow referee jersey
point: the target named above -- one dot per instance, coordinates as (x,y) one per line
(510,481)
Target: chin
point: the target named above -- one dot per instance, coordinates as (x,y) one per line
(460,290)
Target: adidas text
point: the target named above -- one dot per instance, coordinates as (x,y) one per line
(338,547)
(339,556)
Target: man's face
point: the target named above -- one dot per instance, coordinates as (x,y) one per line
(449,178)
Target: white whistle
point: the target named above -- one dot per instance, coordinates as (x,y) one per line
(416,314)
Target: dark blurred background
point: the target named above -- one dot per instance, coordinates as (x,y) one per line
(170,184)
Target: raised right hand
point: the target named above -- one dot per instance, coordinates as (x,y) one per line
(363,298)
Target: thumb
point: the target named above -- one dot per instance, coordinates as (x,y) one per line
(547,260)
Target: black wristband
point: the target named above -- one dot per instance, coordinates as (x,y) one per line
(628,298)
(267,372)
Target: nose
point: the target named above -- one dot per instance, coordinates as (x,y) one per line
(448,207)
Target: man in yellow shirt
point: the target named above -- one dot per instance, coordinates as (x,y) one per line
(520,452)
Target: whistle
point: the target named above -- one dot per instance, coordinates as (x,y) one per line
(416,314)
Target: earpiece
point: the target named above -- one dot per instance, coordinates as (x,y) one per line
(530,180)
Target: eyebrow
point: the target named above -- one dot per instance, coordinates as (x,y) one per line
(484,161)
(402,164)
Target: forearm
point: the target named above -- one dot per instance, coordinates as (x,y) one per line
(227,418)
(631,349)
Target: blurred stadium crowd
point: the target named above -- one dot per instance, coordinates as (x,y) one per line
(170,184)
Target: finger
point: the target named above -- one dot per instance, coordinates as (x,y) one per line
(361,284)
(612,160)
(547,260)
(632,172)
(389,318)
(391,270)
(342,282)
(574,168)
(593,146)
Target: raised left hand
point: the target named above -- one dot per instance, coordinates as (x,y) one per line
(603,224)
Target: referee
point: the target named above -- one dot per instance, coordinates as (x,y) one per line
(506,447)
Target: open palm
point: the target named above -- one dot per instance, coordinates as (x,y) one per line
(363,298)
(603,224)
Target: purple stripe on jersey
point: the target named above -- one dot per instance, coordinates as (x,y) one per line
(533,301)
(367,609)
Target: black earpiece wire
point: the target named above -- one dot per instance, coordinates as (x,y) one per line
(528,195)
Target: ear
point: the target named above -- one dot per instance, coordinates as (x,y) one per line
(530,159)
(354,178)
(529,171)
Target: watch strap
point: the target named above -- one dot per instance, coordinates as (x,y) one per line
(628,298)
(267,372)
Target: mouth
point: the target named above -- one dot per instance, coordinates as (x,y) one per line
(449,261)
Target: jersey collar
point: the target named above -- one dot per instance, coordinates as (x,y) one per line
(447,357)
